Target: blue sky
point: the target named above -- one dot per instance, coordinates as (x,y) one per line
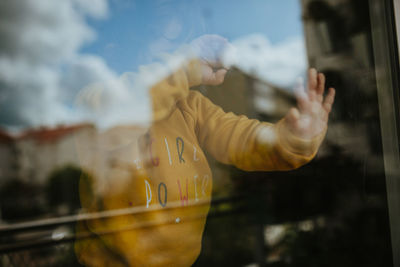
(124,38)
(60,59)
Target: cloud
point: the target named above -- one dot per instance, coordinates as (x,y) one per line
(108,99)
(43,74)
(120,100)
(42,70)
(39,40)
(278,64)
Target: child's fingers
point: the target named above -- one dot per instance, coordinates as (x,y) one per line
(220,75)
(329,99)
(215,78)
(301,96)
(312,94)
(321,87)
(293,116)
(302,103)
(312,83)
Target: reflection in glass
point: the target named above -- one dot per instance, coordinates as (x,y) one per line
(130,177)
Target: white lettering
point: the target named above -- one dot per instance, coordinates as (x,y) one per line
(194,154)
(148,193)
(169,153)
(195,187)
(204,184)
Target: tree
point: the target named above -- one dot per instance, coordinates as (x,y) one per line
(62,189)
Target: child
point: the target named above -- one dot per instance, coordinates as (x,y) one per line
(169,189)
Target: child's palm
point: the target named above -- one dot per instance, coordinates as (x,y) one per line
(311,116)
(209,49)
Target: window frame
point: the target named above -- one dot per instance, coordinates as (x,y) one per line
(385,16)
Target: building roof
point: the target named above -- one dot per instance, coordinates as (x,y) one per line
(5,137)
(51,135)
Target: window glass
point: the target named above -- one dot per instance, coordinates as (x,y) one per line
(198,133)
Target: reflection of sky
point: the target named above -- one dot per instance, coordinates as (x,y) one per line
(49,62)
(135,30)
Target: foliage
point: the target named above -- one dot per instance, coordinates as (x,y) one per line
(20,200)
(62,188)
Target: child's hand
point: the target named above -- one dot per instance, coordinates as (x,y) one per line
(209,49)
(311,116)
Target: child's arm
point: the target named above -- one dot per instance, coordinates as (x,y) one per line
(248,144)
(254,145)
(203,67)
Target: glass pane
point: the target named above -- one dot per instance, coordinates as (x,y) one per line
(115,150)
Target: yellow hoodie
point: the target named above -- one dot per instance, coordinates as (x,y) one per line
(168,193)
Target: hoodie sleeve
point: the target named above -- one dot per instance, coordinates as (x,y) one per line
(167,92)
(247,143)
